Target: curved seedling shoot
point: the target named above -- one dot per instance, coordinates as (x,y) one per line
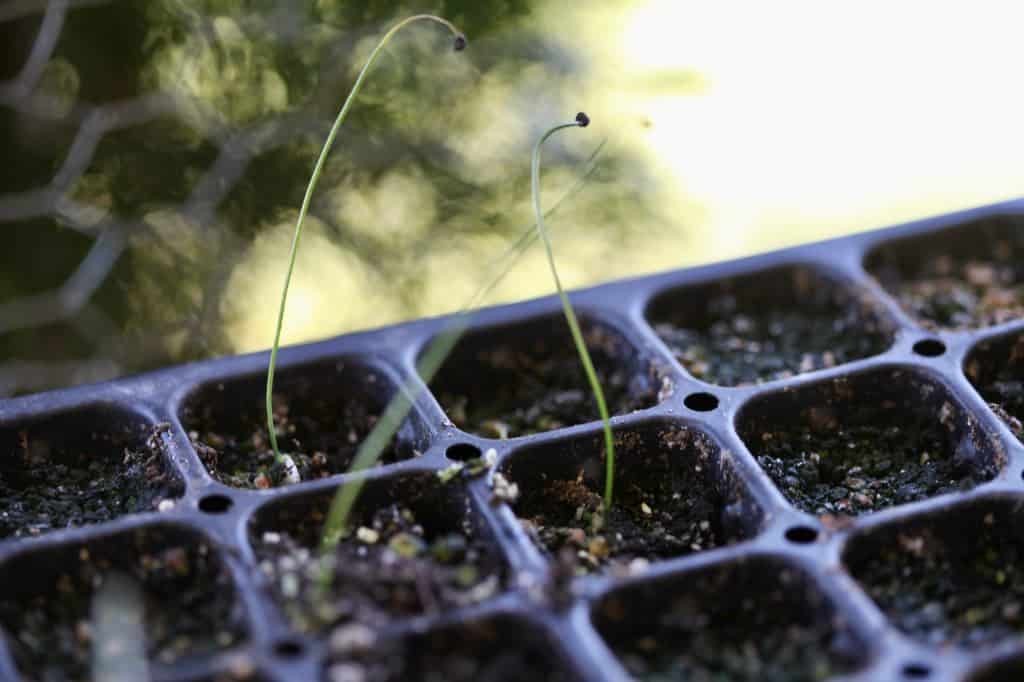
(582,121)
(336,524)
(292,473)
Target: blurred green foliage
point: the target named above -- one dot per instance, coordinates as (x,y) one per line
(434,158)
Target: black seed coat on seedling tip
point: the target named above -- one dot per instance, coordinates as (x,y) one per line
(460,42)
(582,119)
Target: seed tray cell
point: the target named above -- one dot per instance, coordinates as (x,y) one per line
(747,330)
(520,379)
(476,650)
(80,467)
(864,442)
(758,619)
(952,578)
(322,411)
(819,477)
(966,278)
(676,493)
(180,590)
(445,557)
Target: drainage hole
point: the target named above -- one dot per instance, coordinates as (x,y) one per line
(930,348)
(462,452)
(701,402)
(802,535)
(288,648)
(916,671)
(215,504)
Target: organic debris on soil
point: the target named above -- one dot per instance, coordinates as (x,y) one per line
(724,629)
(733,341)
(953,293)
(188,604)
(390,566)
(875,460)
(82,481)
(942,587)
(506,391)
(490,651)
(998,374)
(321,436)
(667,504)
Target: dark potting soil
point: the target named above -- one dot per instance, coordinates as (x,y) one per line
(952,293)
(666,504)
(868,465)
(321,436)
(518,392)
(964,588)
(743,348)
(391,566)
(245,673)
(186,608)
(489,651)
(725,630)
(80,482)
(1008,671)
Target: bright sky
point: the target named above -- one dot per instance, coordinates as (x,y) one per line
(819,118)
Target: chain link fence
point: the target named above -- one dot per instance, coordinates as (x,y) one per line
(154,154)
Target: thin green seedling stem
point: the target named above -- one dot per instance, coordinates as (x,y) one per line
(529,235)
(460,43)
(570,314)
(335,526)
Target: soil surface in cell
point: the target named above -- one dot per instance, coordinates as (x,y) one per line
(520,393)
(755,637)
(95,479)
(950,293)
(847,470)
(389,567)
(472,653)
(656,514)
(321,437)
(744,348)
(966,589)
(179,596)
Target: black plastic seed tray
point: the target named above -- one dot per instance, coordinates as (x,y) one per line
(819,477)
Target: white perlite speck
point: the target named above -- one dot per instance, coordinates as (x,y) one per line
(291,471)
(367,535)
(504,490)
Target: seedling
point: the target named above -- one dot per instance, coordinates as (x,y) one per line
(336,525)
(581,121)
(291,470)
